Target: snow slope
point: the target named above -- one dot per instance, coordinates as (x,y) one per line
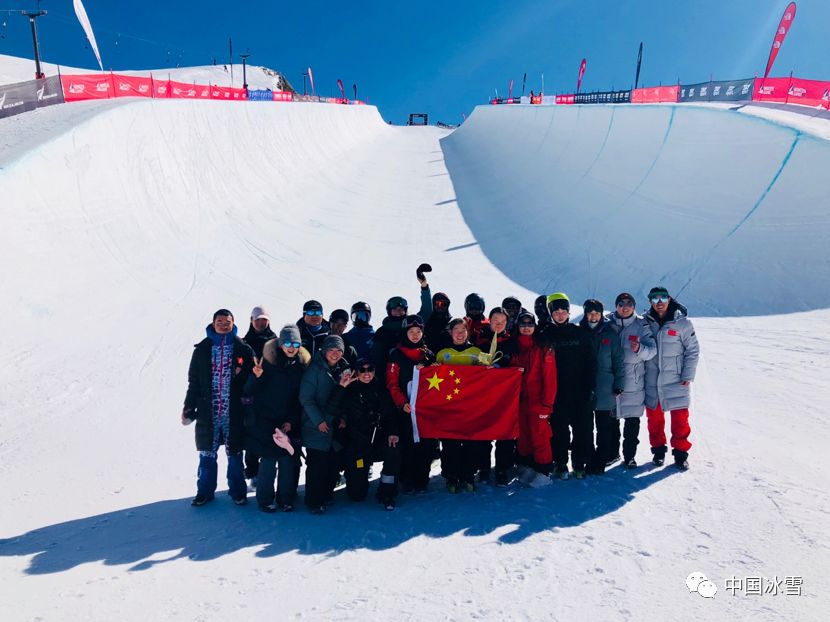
(125,226)
(645,194)
(15,69)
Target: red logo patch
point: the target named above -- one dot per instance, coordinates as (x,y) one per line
(605,342)
(672,333)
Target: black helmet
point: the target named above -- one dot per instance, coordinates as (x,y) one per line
(512,304)
(361,306)
(474,303)
(540,306)
(396,302)
(441,303)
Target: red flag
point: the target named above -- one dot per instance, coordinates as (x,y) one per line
(466,402)
(780,35)
(582,66)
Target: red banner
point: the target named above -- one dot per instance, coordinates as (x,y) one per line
(582,66)
(537,99)
(780,35)
(815,93)
(283,96)
(564,99)
(655,95)
(161,88)
(466,402)
(130,86)
(227,93)
(182,90)
(90,86)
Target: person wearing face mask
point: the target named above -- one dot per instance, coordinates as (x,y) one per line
(362,332)
(538,363)
(638,346)
(328,368)
(412,352)
(669,376)
(610,381)
(575,378)
(218,370)
(274,386)
(313,326)
(459,457)
(474,308)
(496,328)
(370,435)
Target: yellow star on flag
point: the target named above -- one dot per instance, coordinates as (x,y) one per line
(452,372)
(458,381)
(456,391)
(449,397)
(435,382)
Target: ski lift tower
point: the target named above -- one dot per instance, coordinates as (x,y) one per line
(418,119)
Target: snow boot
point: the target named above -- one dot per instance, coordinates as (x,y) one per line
(469,487)
(613,460)
(579,473)
(659,458)
(453,487)
(561,471)
(200,500)
(631,463)
(681,459)
(540,480)
(268,509)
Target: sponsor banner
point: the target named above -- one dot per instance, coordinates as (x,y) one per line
(283,96)
(780,35)
(87,86)
(815,93)
(603,97)
(655,95)
(536,99)
(721,91)
(260,95)
(565,99)
(130,86)
(306,98)
(183,90)
(25,96)
(227,93)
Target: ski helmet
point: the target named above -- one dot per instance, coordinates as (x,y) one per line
(361,311)
(396,302)
(512,304)
(441,303)
(474,304)
(558,300)
(540,306)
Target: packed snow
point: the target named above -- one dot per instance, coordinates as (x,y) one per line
(125,226)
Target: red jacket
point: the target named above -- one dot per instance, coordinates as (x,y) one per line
(539,378)
(474,328)
(399,370)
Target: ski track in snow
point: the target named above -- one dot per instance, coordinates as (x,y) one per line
(119,262)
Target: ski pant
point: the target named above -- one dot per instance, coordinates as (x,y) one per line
(505,456)
(458,460)
(416,461)
(680,429)
(321,475)
(251,464)
(356,464)
(286,481)
(630,435)
(580,420)
(534,447)
(608,434)
(208,475)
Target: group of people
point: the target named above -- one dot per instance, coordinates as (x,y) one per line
(340,399)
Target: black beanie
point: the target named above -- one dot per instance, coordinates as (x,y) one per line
(625,296)
(592,305)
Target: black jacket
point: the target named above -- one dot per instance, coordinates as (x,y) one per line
(575,364)
(257,340)
(276,401)
(313,341)
(506,345)
(199,396)
(369,414)
(435,331)
(386,339)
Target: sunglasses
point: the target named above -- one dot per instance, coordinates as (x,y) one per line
(527,325)
(658,299)
(366,369)
(625,303)
(398,303)
(312,312)
(291,344)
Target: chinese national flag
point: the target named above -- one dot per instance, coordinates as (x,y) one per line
(466,402)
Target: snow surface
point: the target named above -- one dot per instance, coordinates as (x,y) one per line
(15,69)
(125,226)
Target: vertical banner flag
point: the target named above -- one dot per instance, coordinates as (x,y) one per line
(524,82)
(80,12)
(639,62)
(311,80)
(581,74)
(342,91)
(510,91)
(780,35)
(230,57)
(466,402)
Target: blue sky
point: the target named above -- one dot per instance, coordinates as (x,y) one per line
(442,58)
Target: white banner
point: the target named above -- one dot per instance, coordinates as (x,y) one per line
(80,11)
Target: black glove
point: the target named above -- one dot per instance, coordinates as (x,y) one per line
(419,272)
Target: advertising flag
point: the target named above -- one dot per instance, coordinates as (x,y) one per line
(581,74)
(468,402)
(80,12)
(342,90)
(639,63)
(311,80)
(780,35)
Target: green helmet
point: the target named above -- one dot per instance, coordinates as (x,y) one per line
(558,300)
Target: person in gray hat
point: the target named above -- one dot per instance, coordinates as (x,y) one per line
(327,369)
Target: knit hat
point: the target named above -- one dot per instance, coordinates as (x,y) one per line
(625,296)
(558,300)
(223,312)
(291,333)
(333,342)
(658,291)
(339,315)
(260,312)
(312,305)
(413,321)
(592,304)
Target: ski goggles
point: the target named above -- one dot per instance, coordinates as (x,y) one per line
(559,305)
(440,304)
(362,316)
(291,344)
(314,312)
(366,369)
(659,298)
(398,302)
(625,302)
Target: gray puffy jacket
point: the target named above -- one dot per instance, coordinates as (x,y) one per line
(633,330)
(316,389)
(676,360)
(609,364)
